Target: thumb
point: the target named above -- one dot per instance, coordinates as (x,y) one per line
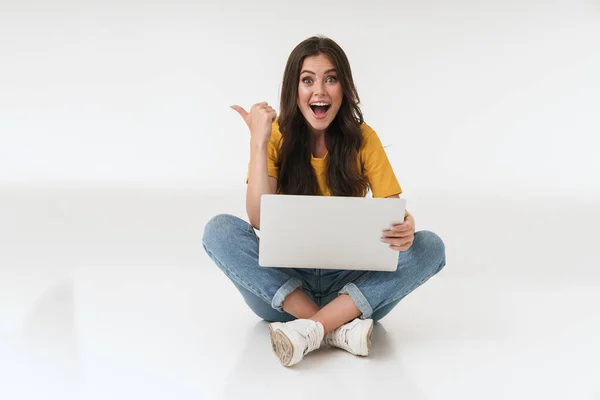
(240,111)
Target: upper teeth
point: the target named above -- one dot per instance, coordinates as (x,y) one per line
(319,104)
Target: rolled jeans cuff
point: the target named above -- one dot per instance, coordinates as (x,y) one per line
(287,288)
(359,299)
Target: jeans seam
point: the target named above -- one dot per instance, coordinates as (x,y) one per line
(288,287)
(362,279)
(229,272)
(414,287)
(361,302)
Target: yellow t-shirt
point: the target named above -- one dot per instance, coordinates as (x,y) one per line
(377,167)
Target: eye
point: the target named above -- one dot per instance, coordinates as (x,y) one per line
(305,79)
(334,79)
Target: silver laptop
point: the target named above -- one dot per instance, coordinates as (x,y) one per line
(328,232)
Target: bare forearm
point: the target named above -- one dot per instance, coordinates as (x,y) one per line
(258,182)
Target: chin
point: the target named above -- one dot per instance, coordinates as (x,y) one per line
(320,126)
(317,125)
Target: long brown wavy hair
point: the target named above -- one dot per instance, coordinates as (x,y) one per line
(343,137)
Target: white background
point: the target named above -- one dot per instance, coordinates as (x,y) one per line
(494,97)
(117,144)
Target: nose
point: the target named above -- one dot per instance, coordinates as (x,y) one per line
(320,88)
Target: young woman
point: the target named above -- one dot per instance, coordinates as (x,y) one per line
(321,146)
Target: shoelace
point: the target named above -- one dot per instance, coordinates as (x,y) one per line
(340,338)
(312,339)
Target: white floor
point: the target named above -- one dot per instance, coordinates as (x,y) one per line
(105,293)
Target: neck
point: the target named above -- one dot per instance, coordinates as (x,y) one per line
(316,136)
(315,133)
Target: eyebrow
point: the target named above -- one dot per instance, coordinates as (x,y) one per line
(326,72)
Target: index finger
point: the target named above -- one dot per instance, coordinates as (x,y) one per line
(400,227)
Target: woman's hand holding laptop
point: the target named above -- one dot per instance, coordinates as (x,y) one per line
(401,236)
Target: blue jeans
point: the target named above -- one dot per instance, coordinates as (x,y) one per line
(233,245)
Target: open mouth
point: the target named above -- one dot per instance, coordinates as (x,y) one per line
(320,109)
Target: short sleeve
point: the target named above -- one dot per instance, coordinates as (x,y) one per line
(377,167)
(272,153)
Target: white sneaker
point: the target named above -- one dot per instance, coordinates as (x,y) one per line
(292,340)
(354,337)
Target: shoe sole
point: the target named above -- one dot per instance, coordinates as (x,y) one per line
(271,333)
(369,338)
(282,346)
